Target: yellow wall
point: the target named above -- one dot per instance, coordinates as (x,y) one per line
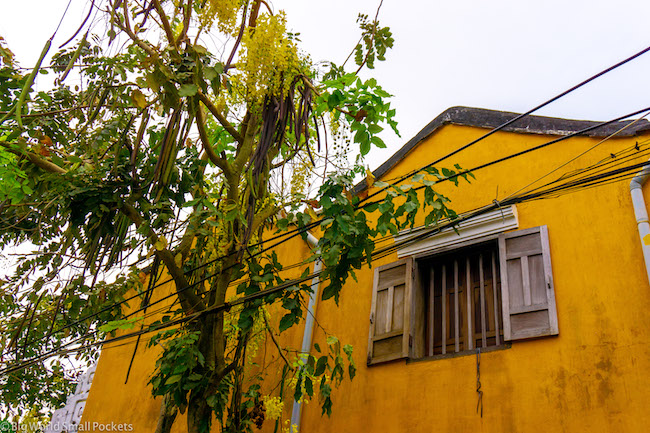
(592,377)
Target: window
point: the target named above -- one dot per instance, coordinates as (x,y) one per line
(420,305)
(461,301)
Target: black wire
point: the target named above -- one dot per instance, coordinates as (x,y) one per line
(299,231)
(588,182)
(61,20)
(523,152)
(516,118)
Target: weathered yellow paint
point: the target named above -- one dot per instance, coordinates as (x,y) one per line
(592,377)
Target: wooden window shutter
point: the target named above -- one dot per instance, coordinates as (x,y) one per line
(390,312)
(528,296)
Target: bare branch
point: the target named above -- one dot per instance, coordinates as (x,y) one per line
(209,150)
(270,331)
(190,302)
(220,117)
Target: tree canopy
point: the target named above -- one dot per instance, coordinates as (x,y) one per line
(190,136)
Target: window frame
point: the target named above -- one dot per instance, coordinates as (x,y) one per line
(413,351)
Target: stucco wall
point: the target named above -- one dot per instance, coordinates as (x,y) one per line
(592,377)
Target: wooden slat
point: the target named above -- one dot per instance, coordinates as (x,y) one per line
(523,253)
(373,319)
(505,289)
(528,308)
(389,309)
(482,299)
(496,303)
(470,330)
(525,277)
(444,309)
(432,297)
(408,296)
(456,315)
(548,279)
(389,334)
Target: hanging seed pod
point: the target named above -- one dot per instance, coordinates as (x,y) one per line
(30,82)
(74,58)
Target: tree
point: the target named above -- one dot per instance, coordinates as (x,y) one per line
(167,154)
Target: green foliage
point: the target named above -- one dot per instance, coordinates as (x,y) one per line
(324,373)
(166,154)
(177,369)
(375,41)
(362,105)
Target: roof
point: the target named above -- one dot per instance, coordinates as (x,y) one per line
(490,119)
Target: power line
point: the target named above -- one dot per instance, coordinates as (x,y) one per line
(568,186)
(299,231)
(523,152)
(564,164)
(516,118)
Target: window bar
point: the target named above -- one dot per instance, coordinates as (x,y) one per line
(470,331)
(496,304)
(444,309)
(482,298)
(431,315)
(456,315)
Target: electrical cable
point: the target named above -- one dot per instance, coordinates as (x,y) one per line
(518,117)
(228,305)
(317,222)
(564,164)
(523,152)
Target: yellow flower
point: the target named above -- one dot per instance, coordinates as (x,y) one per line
(273,406)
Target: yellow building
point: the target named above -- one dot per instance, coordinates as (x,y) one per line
(558,296)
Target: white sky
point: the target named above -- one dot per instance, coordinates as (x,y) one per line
(499,54)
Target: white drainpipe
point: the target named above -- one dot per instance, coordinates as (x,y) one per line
(296,410)
(641,212)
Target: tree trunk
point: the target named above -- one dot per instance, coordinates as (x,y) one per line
(167,416)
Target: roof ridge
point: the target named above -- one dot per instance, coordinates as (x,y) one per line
(490,119)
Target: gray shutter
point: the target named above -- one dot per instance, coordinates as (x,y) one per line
(390,312)
(528,295)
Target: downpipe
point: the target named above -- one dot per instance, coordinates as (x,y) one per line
(641,213)
(296,410)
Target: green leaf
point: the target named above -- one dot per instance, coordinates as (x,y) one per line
(173,379)
(287,321)
(188,90)
(348,79)
(321,364)
(378,142)
(364,147)
(309,387)
(210,73)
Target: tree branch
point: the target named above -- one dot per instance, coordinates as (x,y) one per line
(190,301)
(246,148)
(222,163)
(136,39)
(268,328)
(165,23)
(187,14)
(222,120)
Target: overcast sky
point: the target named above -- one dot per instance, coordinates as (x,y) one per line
(498,54)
